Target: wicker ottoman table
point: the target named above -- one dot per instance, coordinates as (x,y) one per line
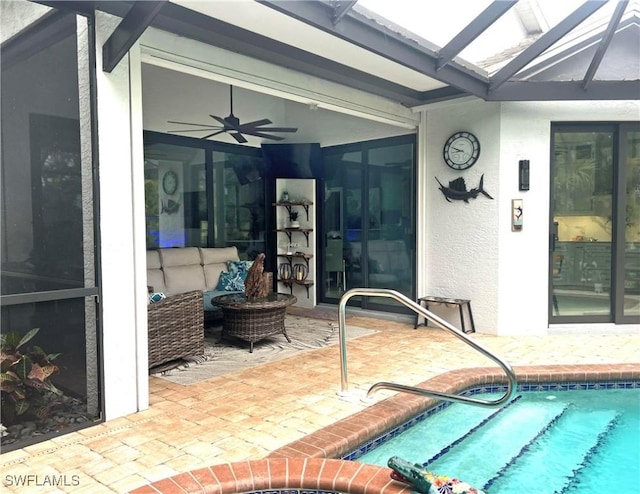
(254,320)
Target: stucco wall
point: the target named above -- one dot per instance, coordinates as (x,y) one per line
(463,238)
(524,272)
(471,249)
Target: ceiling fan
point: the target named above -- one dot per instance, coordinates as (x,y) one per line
(231,125)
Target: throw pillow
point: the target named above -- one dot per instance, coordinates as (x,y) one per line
(241,267)
(156,297)
(230,282)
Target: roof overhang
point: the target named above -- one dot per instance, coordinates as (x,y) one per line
(339,42)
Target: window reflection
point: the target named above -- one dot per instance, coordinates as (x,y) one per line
(201,197)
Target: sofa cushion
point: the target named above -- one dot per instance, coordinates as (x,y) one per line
(212,274)
(214,260)
(217,255)
(180,279)
(155,276)
(181,256)
(153,259)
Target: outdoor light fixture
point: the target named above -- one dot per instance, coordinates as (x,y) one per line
(523,175)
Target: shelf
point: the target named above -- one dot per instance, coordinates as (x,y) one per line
(297,256)
(293,203)
(296,282)
(301,255)
(290,204)
(291,282)
(289,231)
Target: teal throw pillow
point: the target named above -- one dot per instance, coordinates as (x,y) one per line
(231,282)
(241,267)
(156,297)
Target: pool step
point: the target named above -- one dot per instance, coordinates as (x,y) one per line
(555,473)
(496,442)
(430,438)
(574,481)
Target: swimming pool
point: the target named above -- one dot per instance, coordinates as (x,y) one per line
(551,440)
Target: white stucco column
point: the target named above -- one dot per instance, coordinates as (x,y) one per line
(121,178)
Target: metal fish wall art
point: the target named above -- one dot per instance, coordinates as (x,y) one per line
(170,206)
(457,190)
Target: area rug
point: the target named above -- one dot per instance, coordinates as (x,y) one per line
(223,356)
(326,313)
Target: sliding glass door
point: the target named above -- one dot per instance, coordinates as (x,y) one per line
(368,218)
(627,306)
(595,228)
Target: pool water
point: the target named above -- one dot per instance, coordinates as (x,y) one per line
(567,442)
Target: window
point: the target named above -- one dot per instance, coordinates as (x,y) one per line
(202,193)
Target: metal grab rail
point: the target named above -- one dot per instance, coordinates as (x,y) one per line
(442,324)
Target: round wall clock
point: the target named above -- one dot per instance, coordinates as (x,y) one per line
(170,182)
(461,150)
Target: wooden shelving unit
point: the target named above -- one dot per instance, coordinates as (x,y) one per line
(306,254)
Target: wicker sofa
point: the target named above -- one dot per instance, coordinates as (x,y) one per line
(188,277)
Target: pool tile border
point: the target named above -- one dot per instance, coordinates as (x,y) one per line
(399,409)
(306,465)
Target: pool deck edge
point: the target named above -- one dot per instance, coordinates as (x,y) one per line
(309,463)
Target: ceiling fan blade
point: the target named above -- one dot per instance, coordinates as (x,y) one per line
(214,134)
(279,129)
(188,123)
(266,136)
(238,137)
(204,129)
(223,121)
(256,123)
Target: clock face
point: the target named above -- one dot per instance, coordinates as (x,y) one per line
(170,182)
(461,150)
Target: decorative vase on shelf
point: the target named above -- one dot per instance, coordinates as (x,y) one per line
(300,272)
(284,271)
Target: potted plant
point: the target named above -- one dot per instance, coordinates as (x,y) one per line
(24,378)
(293,219)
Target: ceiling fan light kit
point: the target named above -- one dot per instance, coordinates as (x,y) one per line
(232,126)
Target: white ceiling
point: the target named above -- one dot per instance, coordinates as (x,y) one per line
(258,18)
(197,98)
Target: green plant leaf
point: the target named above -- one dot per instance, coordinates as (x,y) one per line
(21,407)
(28,337)
(22,367)
(10,340)
(48,385)
(9,382)
(7,360)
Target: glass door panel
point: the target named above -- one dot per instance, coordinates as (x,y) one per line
(368,219)
(390,241)
(631,256)
(582,212)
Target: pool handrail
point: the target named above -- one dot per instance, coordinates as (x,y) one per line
(442,324)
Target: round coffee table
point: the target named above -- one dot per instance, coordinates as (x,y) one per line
(256,319)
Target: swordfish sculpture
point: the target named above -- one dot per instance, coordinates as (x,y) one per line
(457,190)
